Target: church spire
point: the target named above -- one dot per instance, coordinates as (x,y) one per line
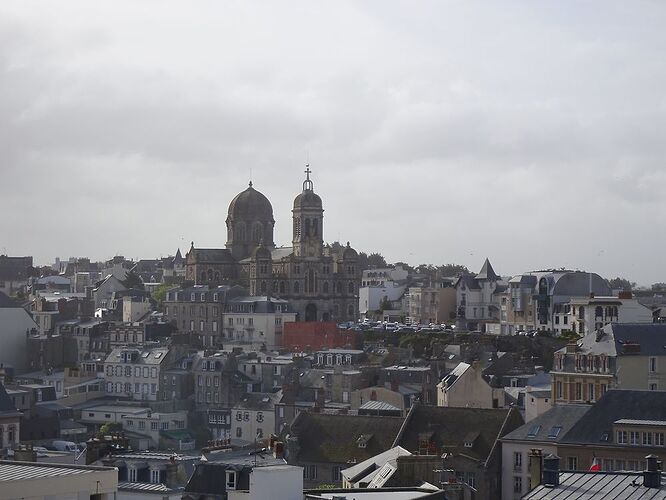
(307,183)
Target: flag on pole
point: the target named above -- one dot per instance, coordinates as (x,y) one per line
(596,466)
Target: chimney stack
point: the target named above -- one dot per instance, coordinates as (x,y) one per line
(535,465)
(171,475)
(652,475)
(551,471)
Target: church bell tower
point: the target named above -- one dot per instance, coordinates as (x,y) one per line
(308,217)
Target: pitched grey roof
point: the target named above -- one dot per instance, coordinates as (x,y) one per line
(596,426)
(487,272)
(539,428)
(650,336)
(7,408)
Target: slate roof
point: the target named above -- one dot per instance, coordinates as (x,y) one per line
(539,428)
(333,438)
(6,302)
(212,255)
(598,485)
(259,401)
(7,408)
(447,428)
(487,272)
(650,336)
(612,406)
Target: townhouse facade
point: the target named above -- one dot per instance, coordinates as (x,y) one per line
(135,373)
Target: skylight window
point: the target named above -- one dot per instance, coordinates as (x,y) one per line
(554,431)
(534,430)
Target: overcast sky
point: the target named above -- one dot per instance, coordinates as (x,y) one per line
(533,133)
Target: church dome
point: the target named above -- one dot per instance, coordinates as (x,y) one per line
(250,205)
(349,253)
(307,199)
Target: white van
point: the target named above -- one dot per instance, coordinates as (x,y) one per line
(65,446)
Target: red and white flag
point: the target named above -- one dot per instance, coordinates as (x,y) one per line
(596,466)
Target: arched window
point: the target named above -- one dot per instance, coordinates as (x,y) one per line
(351,287)
(296,287)
(307,227)
(258,232)
(263,287)
(240,231)
(314,227)
(282,287)
(210,275)
(325,286)
(275,287)
(339,288)
(217,276)
(203,275)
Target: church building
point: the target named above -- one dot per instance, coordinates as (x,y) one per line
(320,282)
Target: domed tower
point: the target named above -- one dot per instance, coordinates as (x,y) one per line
(249,223)
(308,216)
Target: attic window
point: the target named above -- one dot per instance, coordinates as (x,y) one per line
(554,432)
(534,430)
(605,436)
(145,354)
(158,355)
(363,440)
(469,444)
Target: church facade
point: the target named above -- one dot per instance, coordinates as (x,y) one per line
(320,282)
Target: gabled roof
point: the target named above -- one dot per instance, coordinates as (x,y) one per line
(333,438)
(487,272)
(596,426)
(447,427)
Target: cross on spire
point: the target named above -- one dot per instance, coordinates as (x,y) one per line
(307,183)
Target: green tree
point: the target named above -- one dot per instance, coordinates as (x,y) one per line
(621,284)
(376,260)
(452,270)
(110,428)
(160,293)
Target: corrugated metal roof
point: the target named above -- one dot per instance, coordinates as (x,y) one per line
(23,471)
(598,485)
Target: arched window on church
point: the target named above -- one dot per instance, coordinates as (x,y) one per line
(217,276)
(240,231)
(263,287)
(339,288)
(311,281)
(296,287)
(307,227)
(350,311)
(350,287)
(258,232)
(275,287)
(314,227)
(210,275)
(282,287)
(203,275)
(325,286)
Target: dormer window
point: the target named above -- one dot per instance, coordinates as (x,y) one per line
(231,480)
(363,440)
